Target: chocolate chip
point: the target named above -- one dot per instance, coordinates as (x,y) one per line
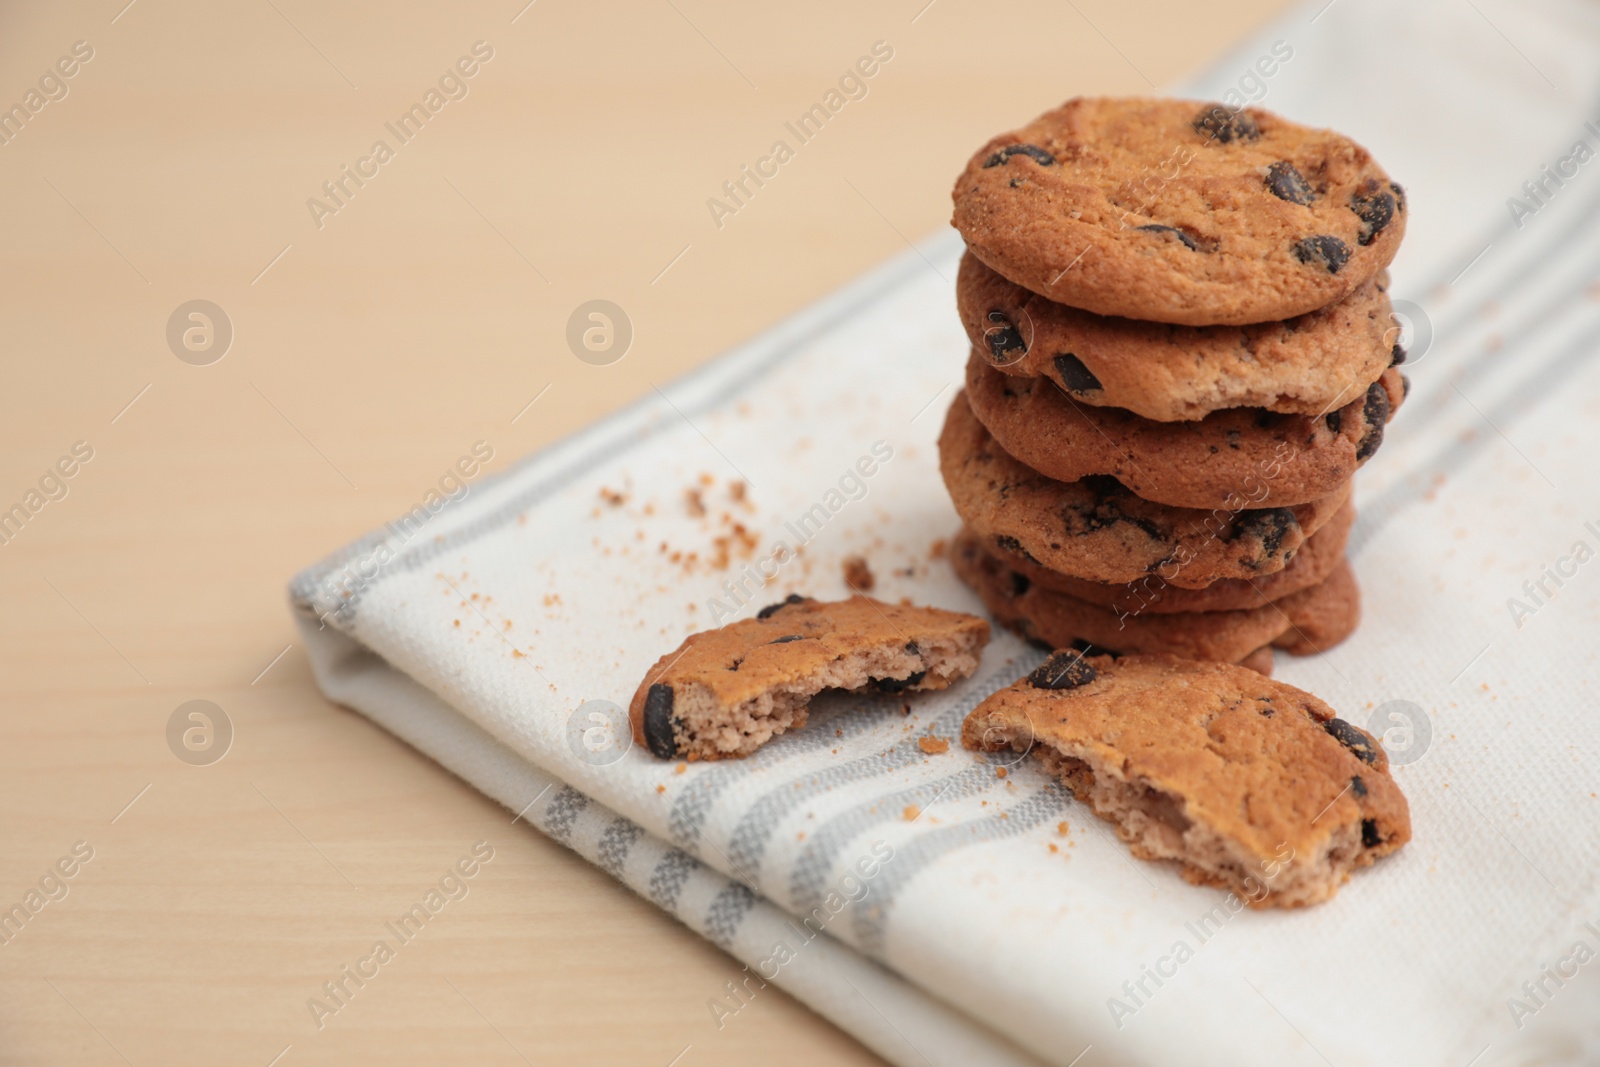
(1089,648)
(1032,151)
(786,640)
(1324,249)
(1268,525)
(773,609)
(1369,834)
(912,649)
(1287,183)
(1105,511)
(1179,234)
(1005,340)
(1405,386)
(1399,196)
(1397,356)
(1374,208)
(1376,414)
(1020,584)
(1225,125)
(658,722)
(1353,739)
(1064,670)
(896,685)
(1334,419)
(1075,377)
(1358,787)
(1010,544)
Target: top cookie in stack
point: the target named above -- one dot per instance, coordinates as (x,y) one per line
(1176,212)
(1182,351)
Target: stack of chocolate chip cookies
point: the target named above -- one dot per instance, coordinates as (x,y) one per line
(1182,349)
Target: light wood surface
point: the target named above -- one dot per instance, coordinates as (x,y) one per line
(367,355)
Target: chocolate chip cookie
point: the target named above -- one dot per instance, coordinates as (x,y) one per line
(1248,784)
(1179,211)
(1151,595)
(1307,365)
(724,693)
(1303,624)
(1240,457)
(1096,529)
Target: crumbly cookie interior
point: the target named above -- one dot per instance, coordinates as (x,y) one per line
(706,729)
(1157,826)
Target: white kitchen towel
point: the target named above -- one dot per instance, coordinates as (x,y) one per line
(498,634)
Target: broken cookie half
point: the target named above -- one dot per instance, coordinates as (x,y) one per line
(724,693)
(1249,784)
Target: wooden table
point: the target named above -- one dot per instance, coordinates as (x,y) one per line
(374,340)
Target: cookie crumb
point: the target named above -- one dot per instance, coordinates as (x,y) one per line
(661,788)
(693,502)
(938,549)
(680,768)
(933,746)
(857,575)
(1053,847)
(911,812)
(1061,828)
(999,772)
(612,497)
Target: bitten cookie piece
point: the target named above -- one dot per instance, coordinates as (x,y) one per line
(724,693)
(1241,457)
(1306,366)
(1249,784)
(1179,211)
(1097,529)
(1304,623)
